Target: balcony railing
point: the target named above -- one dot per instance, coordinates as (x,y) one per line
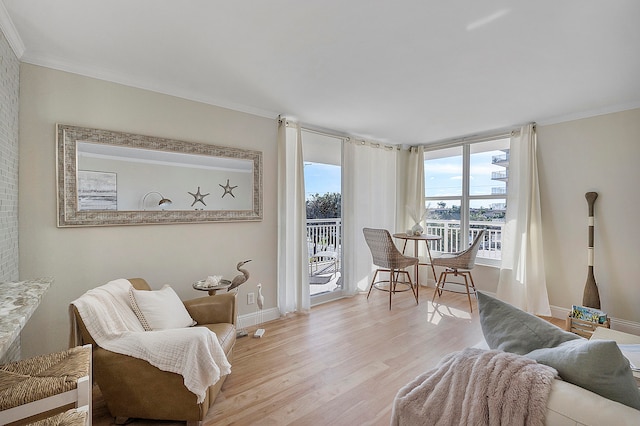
(498,159)
(450,242)
(500,175)
(324,235)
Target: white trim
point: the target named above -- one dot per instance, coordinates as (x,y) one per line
(588,114)
(10,32)
(330,296)
(249,320)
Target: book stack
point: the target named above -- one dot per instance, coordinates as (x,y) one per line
(588,314)
(583,320)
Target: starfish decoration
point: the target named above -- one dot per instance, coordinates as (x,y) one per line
(198,197)
(227,189)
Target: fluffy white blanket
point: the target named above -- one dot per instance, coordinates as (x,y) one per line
(476,387)
(194,352)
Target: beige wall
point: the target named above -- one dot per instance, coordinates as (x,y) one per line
(596,154)
(83,258)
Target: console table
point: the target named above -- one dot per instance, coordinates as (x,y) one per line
(18,301)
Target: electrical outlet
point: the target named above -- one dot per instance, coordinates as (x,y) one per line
(251,298)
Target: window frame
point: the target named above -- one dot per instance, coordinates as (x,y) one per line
(465,198)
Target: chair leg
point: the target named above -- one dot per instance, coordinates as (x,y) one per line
(439,284)
(466,284)
(413,290)
(392,285)
(373,280)
(473,285)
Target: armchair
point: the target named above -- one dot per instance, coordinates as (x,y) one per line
(133,388)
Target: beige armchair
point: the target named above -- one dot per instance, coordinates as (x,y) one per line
(133,388)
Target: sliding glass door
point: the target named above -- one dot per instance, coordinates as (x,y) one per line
(322,176)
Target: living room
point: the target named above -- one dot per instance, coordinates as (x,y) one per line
(592,147)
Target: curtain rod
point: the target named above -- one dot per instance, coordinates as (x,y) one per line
(497,134)
(343,136)
(348,138)
(323,133)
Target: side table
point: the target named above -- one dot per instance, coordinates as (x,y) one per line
(423,237)
(201,285)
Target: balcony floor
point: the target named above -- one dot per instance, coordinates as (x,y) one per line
(324,278)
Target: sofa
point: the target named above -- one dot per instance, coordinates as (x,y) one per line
(587,382)
(133,388)
(571,405)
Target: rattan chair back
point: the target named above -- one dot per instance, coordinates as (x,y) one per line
(384,252)
(465,259)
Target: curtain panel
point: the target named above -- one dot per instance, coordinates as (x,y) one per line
(369,200)
(522,275)
(413,206)
(293,256)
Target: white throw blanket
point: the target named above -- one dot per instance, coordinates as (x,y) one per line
(194,352)
(477,387)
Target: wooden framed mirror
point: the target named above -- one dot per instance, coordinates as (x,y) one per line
(116,178)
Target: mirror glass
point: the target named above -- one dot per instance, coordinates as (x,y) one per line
(113,178)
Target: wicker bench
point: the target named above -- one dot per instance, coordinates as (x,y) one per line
(46,385)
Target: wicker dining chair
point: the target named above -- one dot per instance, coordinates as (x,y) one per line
(388,258)
(460,263)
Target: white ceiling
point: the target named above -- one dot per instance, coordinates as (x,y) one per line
(397,71)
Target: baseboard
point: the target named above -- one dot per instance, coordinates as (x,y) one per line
(626,326)
(251,320)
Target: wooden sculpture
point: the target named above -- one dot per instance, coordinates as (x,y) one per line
(259,319)
(591,297)
(239,279)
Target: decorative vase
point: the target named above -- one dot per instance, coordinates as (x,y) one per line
(417,229)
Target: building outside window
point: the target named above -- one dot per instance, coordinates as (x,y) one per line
(465,191)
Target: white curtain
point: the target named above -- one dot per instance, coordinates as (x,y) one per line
(293,256)
(369,200)
(413,203)
(522,279)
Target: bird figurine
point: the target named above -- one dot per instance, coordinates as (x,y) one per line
(239,279)
(259,319)
(260,300)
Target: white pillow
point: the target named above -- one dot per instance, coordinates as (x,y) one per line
(159,310)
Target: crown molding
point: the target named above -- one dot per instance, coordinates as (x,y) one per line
(150,85)
(10,32)
(611,109)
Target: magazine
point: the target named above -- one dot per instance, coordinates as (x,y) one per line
(632,353)
(588,314)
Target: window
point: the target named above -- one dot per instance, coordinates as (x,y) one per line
(465,191)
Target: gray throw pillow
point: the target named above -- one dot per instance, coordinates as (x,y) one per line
(596,365)
(510,329)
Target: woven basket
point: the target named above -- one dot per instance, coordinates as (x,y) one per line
(583,328)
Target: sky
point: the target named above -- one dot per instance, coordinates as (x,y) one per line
(321,179)
(443,177)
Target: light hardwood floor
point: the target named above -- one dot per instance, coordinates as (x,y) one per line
(340,365)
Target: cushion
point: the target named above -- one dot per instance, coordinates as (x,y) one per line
(596,365)
(510,329)
(159,310)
